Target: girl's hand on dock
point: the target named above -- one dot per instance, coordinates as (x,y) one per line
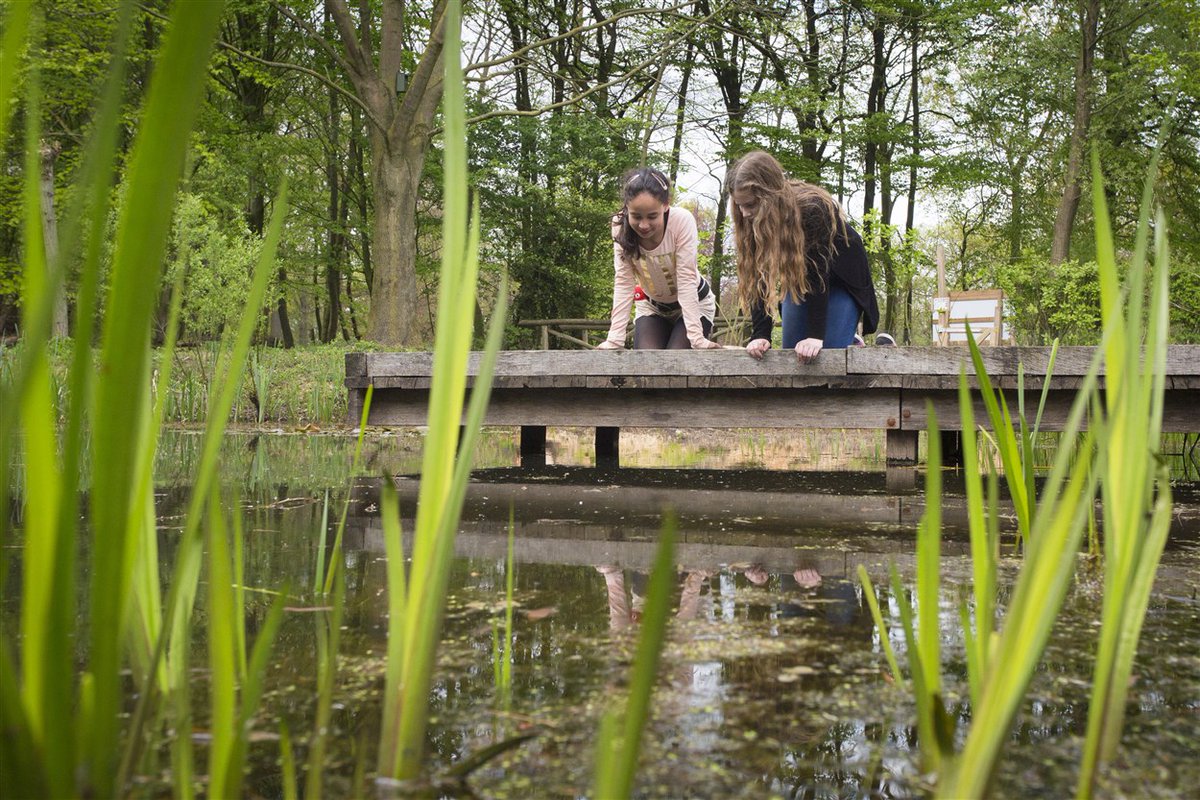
(757,347)
(808,349)
(608,344)
(706,344)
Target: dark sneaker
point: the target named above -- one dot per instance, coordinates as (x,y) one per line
(884,340)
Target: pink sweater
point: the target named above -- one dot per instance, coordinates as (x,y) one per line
(667,274)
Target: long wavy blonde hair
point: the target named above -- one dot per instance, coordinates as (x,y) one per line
(773,256)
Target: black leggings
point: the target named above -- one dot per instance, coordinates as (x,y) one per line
(653,332)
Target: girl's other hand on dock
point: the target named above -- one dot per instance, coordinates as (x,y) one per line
(706,344)
(757,347)
(808,349)
(608,344)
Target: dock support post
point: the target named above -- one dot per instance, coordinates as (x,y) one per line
(901,447)
(533,445)
(952,454)
(608,447)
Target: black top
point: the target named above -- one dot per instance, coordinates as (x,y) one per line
(847,267)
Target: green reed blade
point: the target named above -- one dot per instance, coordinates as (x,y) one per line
(328,630)
(335,554)
(923,698)
(154,169)
(393,543)
(23,770)
(884,638)
(239,591)
(509,576)
(1005,439)
(253,682)
(92,195)
(186,570)
(319,572)
(1037,597)
(1133,541)
(1037,423)
(442,480)
(183,767)
(972,645)
(929,536)
(619,742)
(42,482)
(222,659)
(983,560)
(12,48)
(287,763)
(147,589)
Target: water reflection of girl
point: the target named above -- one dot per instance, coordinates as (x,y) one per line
(625,607)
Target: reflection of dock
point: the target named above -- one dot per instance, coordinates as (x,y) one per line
(826,521)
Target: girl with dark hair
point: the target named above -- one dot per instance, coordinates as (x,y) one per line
(795,249)
(654,260)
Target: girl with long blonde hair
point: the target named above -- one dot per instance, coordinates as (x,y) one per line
(796,250)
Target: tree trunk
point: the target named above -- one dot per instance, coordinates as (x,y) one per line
(400,129)
(1064,220)
(395,295)
(717,264)
(58,324)
(680,109)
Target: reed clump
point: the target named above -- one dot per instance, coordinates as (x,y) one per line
(1109,446)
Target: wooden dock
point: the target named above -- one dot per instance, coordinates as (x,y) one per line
(871,388)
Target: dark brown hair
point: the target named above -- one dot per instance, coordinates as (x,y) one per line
(635,182)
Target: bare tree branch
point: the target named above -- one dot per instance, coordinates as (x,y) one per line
(591,26)
(635,70)
(284,65)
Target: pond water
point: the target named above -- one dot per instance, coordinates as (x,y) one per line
(773,681)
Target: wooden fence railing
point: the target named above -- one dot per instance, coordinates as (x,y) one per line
(578,332)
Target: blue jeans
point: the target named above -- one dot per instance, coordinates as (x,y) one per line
(841,320)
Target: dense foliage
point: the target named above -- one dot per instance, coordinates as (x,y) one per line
(960,123)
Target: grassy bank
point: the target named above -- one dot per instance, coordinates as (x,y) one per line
(301,386)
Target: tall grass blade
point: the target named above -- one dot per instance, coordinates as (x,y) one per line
(328,629)
(884,638)
(506,663)
(186,570)
(287,763)
(12,47)
(153,174)
(443,481)
(43,482)
(619,742)
(397,595)
(222,658)
(984,549)
(1137,498)
(1006,441)
(1037,597)
(336,552)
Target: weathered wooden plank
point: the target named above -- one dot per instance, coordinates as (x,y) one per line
(636,381)
(733,361)
(1182,359)
(663,408)
(536,381)
(1180,413)
(356,364)
(743,381)
(949,360)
